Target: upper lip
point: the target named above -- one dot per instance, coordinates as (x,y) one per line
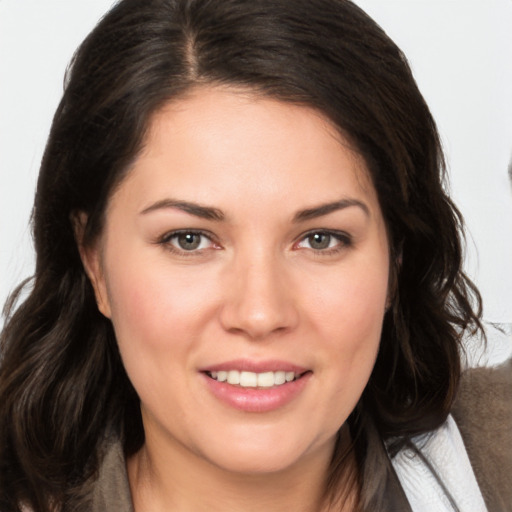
(247,365)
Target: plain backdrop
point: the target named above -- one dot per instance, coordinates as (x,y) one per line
(461,55)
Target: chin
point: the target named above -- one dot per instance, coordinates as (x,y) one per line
(256,463)
(278,454)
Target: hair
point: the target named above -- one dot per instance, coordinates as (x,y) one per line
(63,387)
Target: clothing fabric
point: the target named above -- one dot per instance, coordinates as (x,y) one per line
(112,491)
(483,412)
(436,474)
(462,452)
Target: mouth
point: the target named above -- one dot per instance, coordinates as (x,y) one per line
(247,379)
(256,386)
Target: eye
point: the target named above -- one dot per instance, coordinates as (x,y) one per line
(325,241)
(319,241)
(187,241)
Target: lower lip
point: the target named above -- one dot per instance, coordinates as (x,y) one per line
(257,399)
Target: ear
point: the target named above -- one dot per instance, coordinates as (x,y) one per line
(92,261)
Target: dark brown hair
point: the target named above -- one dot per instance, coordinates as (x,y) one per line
(62,384)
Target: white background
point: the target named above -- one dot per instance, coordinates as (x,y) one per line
(461,55)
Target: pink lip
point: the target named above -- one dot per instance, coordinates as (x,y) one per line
(246,365)
(256,399)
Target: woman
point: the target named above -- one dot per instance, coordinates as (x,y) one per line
(248,288)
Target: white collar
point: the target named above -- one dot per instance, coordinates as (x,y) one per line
(443,450)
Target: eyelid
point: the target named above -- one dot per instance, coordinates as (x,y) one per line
(345,240)
(165,240)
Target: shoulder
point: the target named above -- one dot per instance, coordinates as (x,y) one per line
(486,390)
(483,412)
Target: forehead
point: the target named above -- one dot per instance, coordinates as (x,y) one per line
(219,142)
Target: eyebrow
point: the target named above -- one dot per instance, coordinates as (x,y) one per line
(210,213)
(204,212)
(325,209)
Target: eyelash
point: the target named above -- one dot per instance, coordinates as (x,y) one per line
(344,239)
(166,241)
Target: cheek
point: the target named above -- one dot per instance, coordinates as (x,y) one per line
(349,314)
(351,304)
(157,314)
(151,302)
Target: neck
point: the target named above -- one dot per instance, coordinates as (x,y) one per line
(168,477)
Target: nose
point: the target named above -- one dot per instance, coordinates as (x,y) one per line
(259,301)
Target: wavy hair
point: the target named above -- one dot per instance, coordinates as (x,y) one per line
(63,387)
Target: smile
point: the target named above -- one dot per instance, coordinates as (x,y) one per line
(247,379)
(256,386)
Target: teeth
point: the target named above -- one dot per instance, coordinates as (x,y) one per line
(248,379)
(233,377)
(267,379)
(253,380)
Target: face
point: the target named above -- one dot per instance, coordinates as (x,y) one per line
(244,265)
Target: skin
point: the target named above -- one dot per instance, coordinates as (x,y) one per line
(256,288)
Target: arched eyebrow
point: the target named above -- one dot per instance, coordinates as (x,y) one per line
(204,212)
(325,209)
(210,213)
